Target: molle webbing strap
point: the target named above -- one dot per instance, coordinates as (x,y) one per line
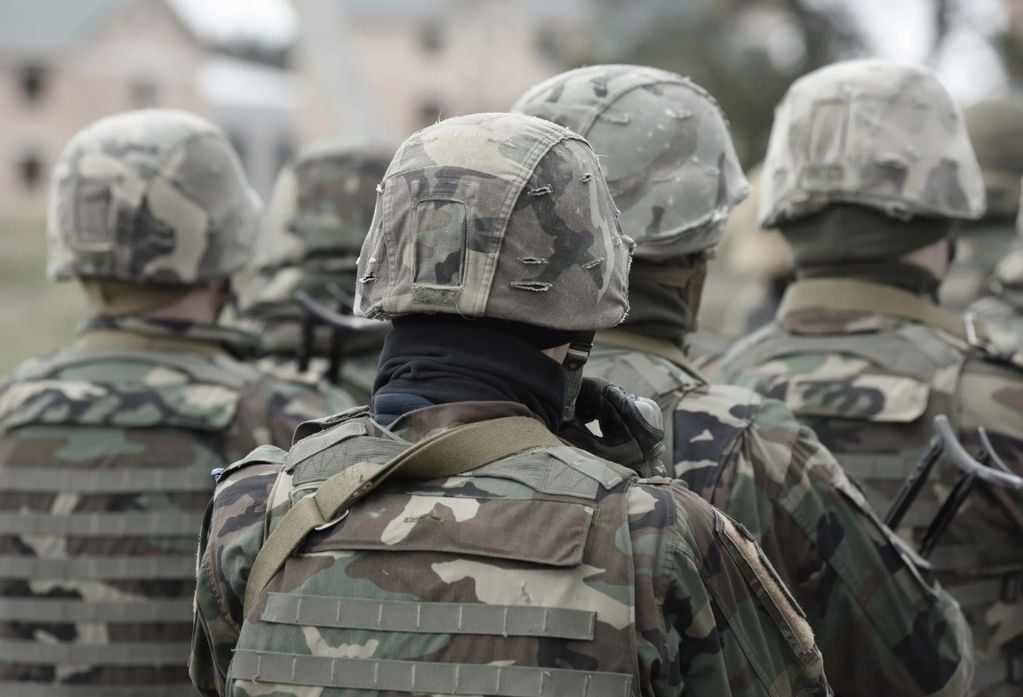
(119,611)
(871,298)
(444,454)
(421,677)
(39,689)
(101,524)
(181,568)
(136,653)
(202,369)
(657,347)
(429,618)
(111,481)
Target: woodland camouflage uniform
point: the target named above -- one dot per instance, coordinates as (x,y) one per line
(995,126)
(869,161)
(547,572)
(310,236)
(106,447)
(1002,307)
(883,628)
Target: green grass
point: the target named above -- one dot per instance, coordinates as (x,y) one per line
(36,315)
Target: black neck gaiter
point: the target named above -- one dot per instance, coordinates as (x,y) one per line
(429,360)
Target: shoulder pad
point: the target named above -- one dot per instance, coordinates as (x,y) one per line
(263,455)
(314,426)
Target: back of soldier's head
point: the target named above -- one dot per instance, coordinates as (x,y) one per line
(880,145)
(499,216)
(995,126)
(315,224)
(665,149)
(149,198)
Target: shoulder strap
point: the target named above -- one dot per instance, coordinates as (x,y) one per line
(444,454)
(859,296)
(638,342)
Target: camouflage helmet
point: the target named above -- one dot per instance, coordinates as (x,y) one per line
(314,226)
(150,196)
(996,131)
(665,149)
(496,215)
(872,133)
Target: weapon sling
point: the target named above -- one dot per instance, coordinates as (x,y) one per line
(444,454)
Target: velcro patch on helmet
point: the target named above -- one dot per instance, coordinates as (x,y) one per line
(94,217)
(440,243)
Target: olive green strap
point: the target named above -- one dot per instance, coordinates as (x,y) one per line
(110,481)
(429,617)
(99,568)
(36,609)
(424,677)
(178,523)
(664,349)
(42,689)
(860,296)
(444,454)
(136,653)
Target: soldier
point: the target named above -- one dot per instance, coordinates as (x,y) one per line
(309,240)
(868,170)
(498,561)
(106,447)
(672,169)
(1003,308)
(996,130)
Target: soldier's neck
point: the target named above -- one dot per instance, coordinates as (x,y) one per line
(898,274)
(199,306)
(659,311)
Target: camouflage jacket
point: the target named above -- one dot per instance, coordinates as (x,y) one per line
(884,627)
(869,383)
(106,450)
(1003,314)
(979,248)
(606,585)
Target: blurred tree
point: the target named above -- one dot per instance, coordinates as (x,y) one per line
(746,52)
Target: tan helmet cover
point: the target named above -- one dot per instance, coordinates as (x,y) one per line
(873,133)
(496,215)
(664,145)
(316,221)
(995,126)
(150,196)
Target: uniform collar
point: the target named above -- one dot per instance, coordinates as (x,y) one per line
(416,425)
(164,335)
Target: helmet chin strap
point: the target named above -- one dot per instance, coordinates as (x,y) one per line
(578,353)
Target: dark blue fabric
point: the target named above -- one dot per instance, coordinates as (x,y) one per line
(440,360)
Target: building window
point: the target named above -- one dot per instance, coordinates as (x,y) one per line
(143,93)
(431,38)
(430,112)
(32,79)
(548,44)
(30,171)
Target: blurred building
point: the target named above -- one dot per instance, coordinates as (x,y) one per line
(384,68)
(64,63)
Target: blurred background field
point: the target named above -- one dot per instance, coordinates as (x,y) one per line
(277,74)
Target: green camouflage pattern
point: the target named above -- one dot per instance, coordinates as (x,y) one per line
(679,600)
(316,221)
(150,196)
(1003,308)
(995,126)
(883,625)
(980,247)
(354,386)
(498,215)
(665,150)
(870,385)
(106,450)
(874,133)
